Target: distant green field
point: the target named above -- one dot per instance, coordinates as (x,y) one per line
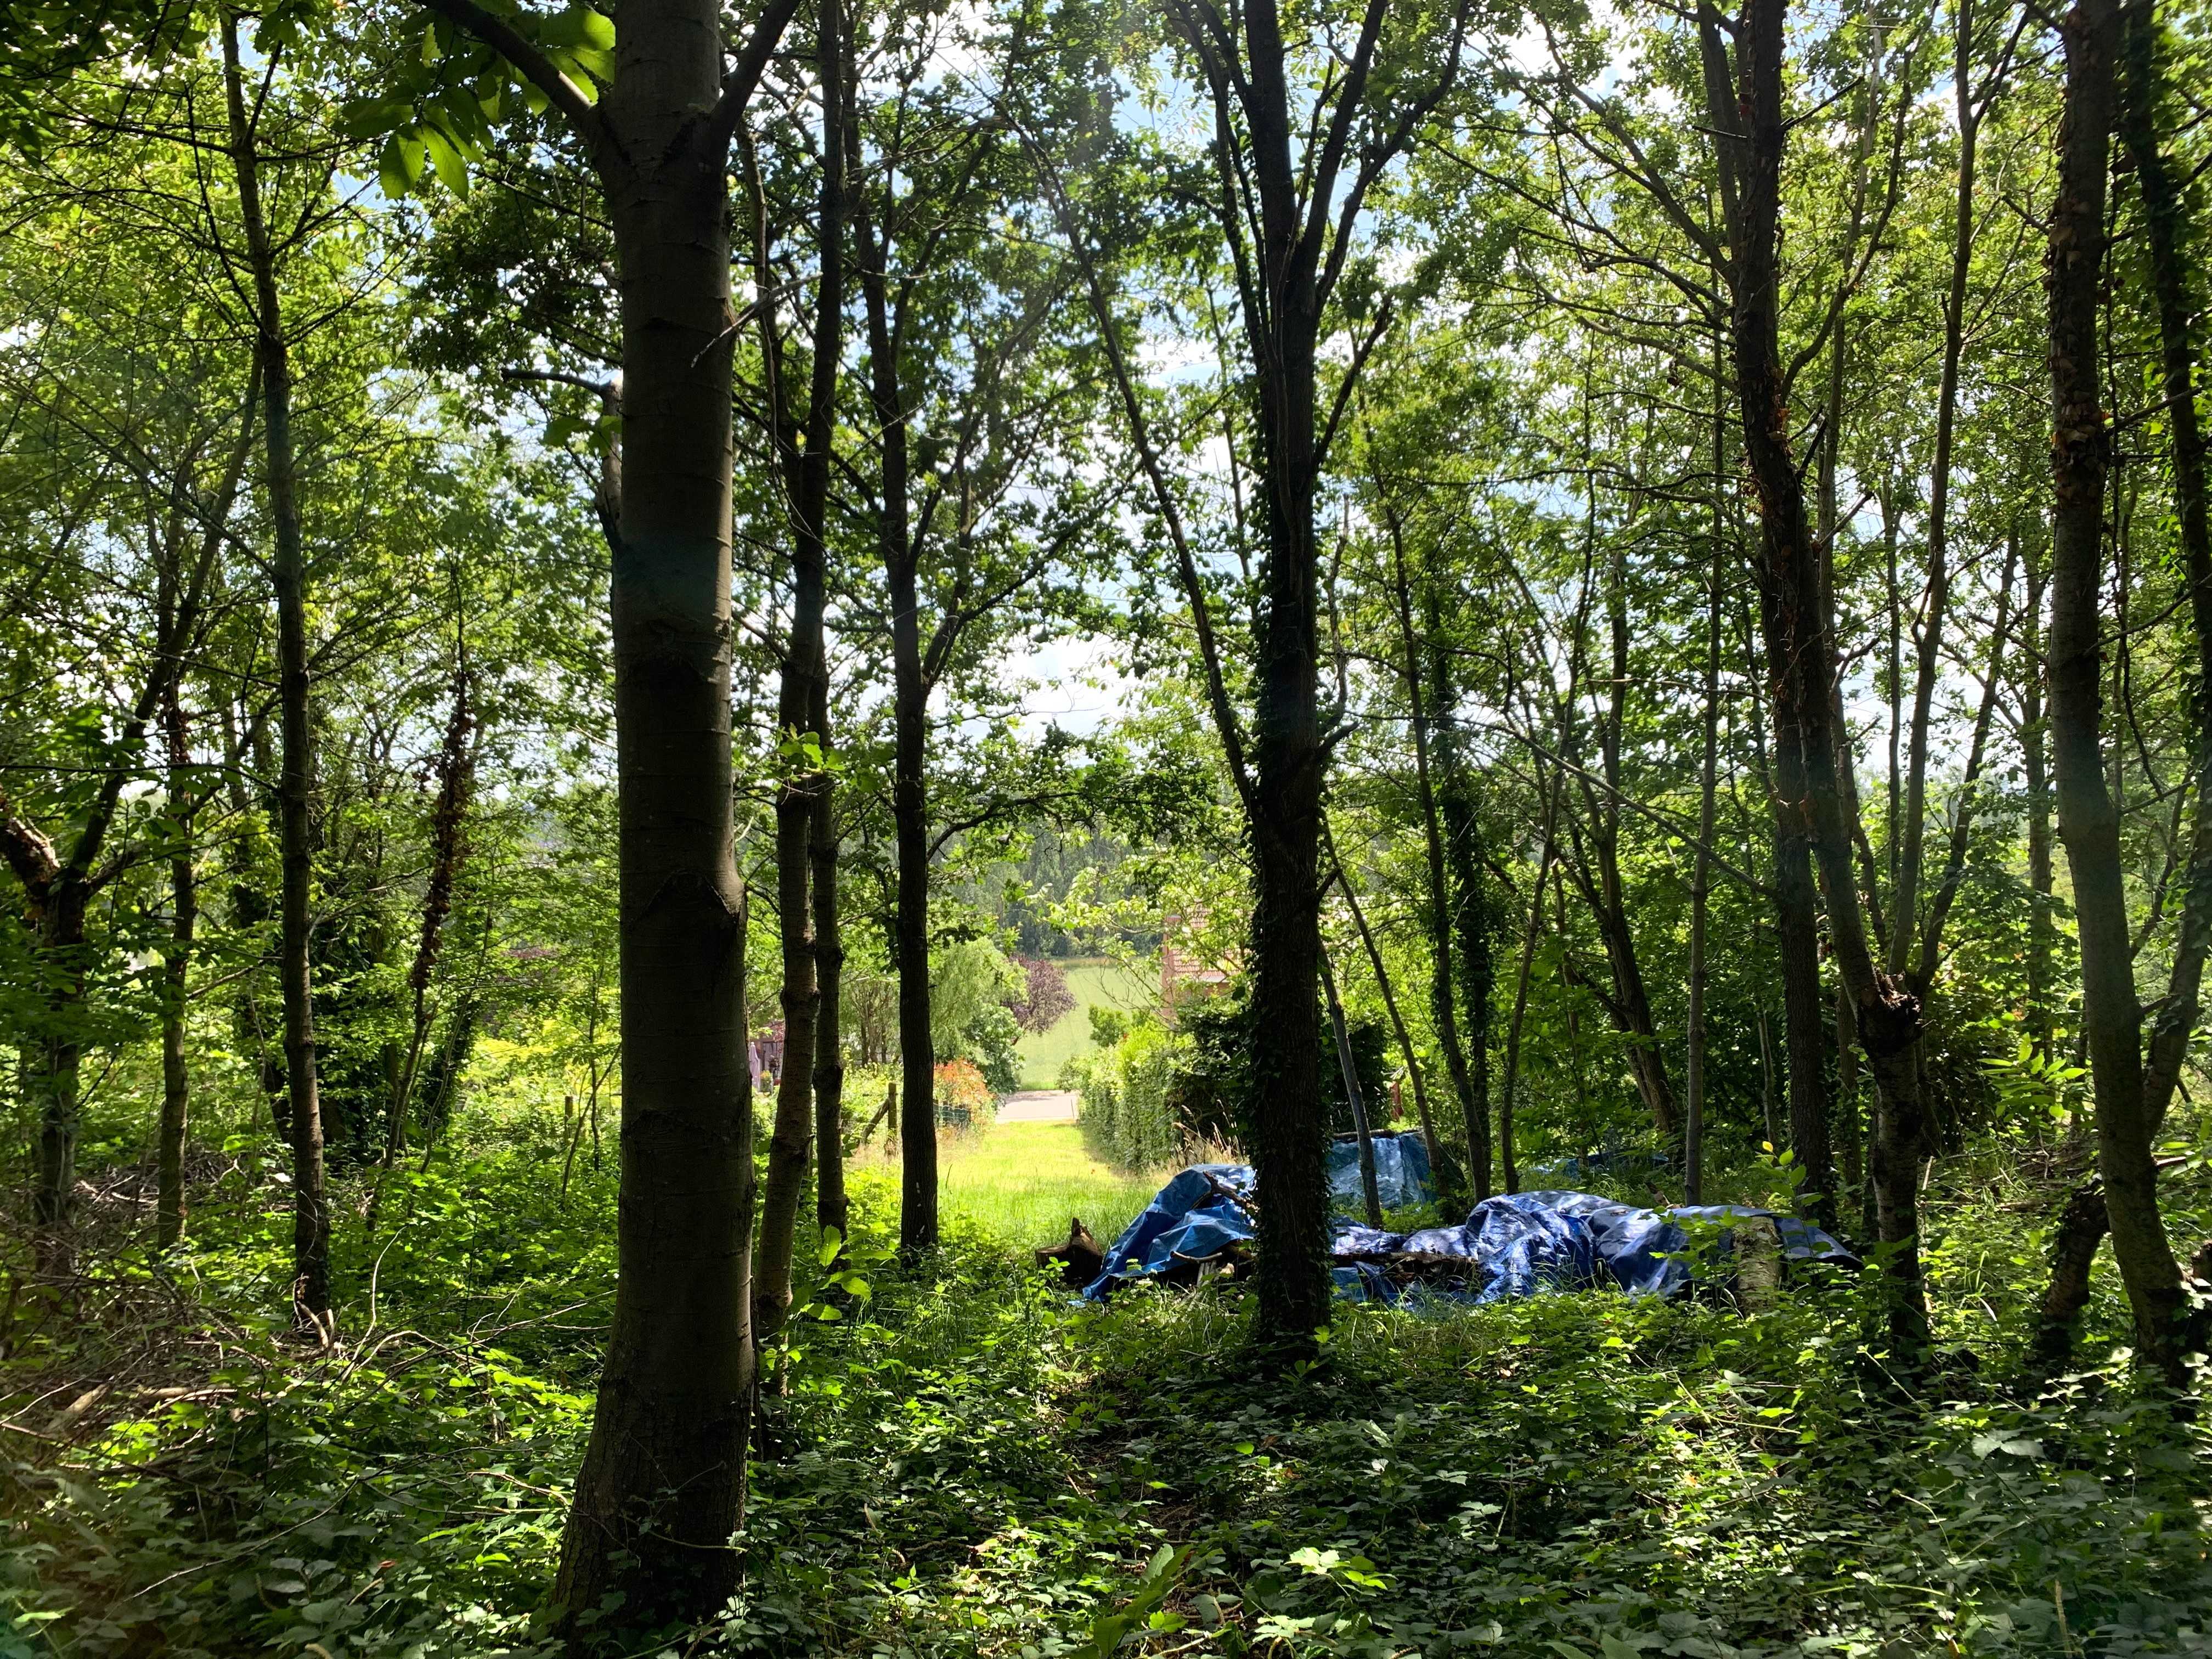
(1095,983)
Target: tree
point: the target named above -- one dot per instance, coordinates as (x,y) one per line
(1811,764)
(1288,216)
(2089,819)
(1044,999)
(663,1478)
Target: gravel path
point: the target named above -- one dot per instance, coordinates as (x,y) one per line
(1039,1106)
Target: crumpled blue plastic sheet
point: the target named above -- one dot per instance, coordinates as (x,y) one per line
(1519,1244)
(1403,1177)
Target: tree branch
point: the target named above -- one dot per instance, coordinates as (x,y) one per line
(564,94)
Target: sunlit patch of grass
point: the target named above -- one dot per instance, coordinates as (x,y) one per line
(1021,1182)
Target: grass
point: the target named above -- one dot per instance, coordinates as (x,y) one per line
(1097,983)
(1021,1181)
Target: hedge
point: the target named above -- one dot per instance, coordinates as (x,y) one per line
(1125,1112)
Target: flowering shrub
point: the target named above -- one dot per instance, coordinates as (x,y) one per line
(963,1099)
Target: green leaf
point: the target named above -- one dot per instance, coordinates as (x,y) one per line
(453,171)
(399,165)
(832,1243)
(578,27)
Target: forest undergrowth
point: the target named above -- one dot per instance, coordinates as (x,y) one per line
(961,1462)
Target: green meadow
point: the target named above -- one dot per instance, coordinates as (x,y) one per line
(1096,982)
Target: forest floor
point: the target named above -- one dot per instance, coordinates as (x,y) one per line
(967,1465)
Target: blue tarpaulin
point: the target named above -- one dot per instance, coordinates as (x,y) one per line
(1520,1245)
(1401,1172)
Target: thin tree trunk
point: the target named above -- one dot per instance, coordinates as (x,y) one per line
(1904,894)
(311,1219)
(804,458)
(179,606)
(1442,1006)
(2034,741)
(1693,1079)
(2089,816)
(1447,1190)
(1509,1098)
(832,1208)
(1470,906)
(1349,1068)
(1923,972)
(917,1127)
(449,851)
(176,968)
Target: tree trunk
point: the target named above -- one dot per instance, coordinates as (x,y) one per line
(310,1218)
(1350,1068)
(1904,894)
(1693,1067)
(1801,663)
(832,1209)
(1470,905)
(1443,1005)
(1508,1097)
(1629,1005)
(448,852)
(662,1485)
(1289,1130)
(176,1076)
(2091,1210)
(803,458)
(2034,744)
(917,1123)
(2168,233)
(1449,1192)
(2089,816)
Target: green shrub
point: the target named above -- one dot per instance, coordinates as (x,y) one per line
(1126,1112)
